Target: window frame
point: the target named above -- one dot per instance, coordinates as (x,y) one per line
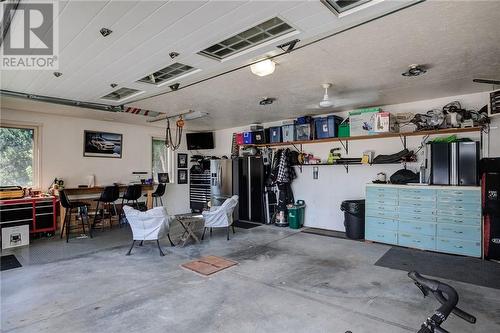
(37,165)
(170,160)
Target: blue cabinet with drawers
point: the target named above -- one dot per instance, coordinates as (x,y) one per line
(437,218)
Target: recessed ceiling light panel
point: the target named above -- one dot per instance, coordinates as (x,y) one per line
(168,73)
(256,35)
(121,94)
(343,6)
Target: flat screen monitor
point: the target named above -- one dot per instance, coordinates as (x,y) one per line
(197,141)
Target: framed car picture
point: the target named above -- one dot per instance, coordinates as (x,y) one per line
(182,161)
(102,144)
(182,176)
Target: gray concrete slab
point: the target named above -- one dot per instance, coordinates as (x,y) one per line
(285,282)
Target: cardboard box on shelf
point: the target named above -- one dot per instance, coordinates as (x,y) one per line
(385,122)
(362,121)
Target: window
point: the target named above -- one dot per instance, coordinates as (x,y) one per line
(121,94)
(341,6)
(168,73)
(161,159)
(256,35)
(18,156)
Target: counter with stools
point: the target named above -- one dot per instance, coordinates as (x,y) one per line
(108,197)
(87,194)
(81,209)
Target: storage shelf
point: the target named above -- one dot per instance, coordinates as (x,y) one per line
(343,164)
(370,137)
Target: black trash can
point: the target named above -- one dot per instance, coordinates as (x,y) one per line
(354,222)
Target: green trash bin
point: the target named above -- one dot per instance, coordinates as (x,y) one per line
(296,215)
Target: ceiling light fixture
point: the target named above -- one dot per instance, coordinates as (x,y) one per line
(267,100)
(105,32)
(263,68)
(57,74)
(414,70)
(195,115)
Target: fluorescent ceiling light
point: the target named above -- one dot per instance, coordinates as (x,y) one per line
(263,68)
(195,115)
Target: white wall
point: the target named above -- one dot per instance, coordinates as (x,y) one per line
(324,195)
(61,153)
(62,156)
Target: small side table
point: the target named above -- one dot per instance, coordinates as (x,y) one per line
(188,222)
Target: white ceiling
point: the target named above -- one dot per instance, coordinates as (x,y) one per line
(458,40)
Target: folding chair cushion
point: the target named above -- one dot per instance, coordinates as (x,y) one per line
(149,225)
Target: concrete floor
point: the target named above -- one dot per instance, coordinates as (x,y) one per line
(286,281)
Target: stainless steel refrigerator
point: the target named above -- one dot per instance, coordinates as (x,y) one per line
(221,181)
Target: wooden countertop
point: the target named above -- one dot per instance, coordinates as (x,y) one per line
(99,189)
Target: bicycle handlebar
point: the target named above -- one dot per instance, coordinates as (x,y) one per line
(447,296)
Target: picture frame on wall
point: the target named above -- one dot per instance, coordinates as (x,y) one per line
(182,176)
(102,144)
(182,161)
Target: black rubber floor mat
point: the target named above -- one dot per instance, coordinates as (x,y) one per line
(464,269)
(9,262)
(246,225)
(324,232)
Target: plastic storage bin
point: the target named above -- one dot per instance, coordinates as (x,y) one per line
(239,139)
(296,215)
(344,130)
(303,132)
(248,138)
(275,134)
(261,136)
(327,127)
(288,132)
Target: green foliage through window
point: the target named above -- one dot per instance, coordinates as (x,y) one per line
(16,156)
(159,158)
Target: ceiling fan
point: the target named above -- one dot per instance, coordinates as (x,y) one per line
(329,103)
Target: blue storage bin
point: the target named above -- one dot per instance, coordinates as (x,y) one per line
(248,138)
(288,132)
(275,134)
(327,127)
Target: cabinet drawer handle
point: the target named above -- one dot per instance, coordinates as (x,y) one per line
(459,232)
(418,228)
(417,211)
(416,241)
(459,246)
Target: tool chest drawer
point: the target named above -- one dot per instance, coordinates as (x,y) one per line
(379,223)
(459,232)
(383,191)
(382,236)
(474,221)
(414,209)
(417,241)
(417,194)
(465,196)
(419,228)
(417,217)
(457,246)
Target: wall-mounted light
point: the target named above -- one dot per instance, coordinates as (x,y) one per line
(263,68)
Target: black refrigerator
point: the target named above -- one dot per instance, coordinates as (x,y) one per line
(249,174)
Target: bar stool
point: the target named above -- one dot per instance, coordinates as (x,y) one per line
(158,193)
(82,209)
(132,193)
(108,197)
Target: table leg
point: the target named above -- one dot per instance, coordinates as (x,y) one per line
(149,199)
(187,225)
(62,212)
